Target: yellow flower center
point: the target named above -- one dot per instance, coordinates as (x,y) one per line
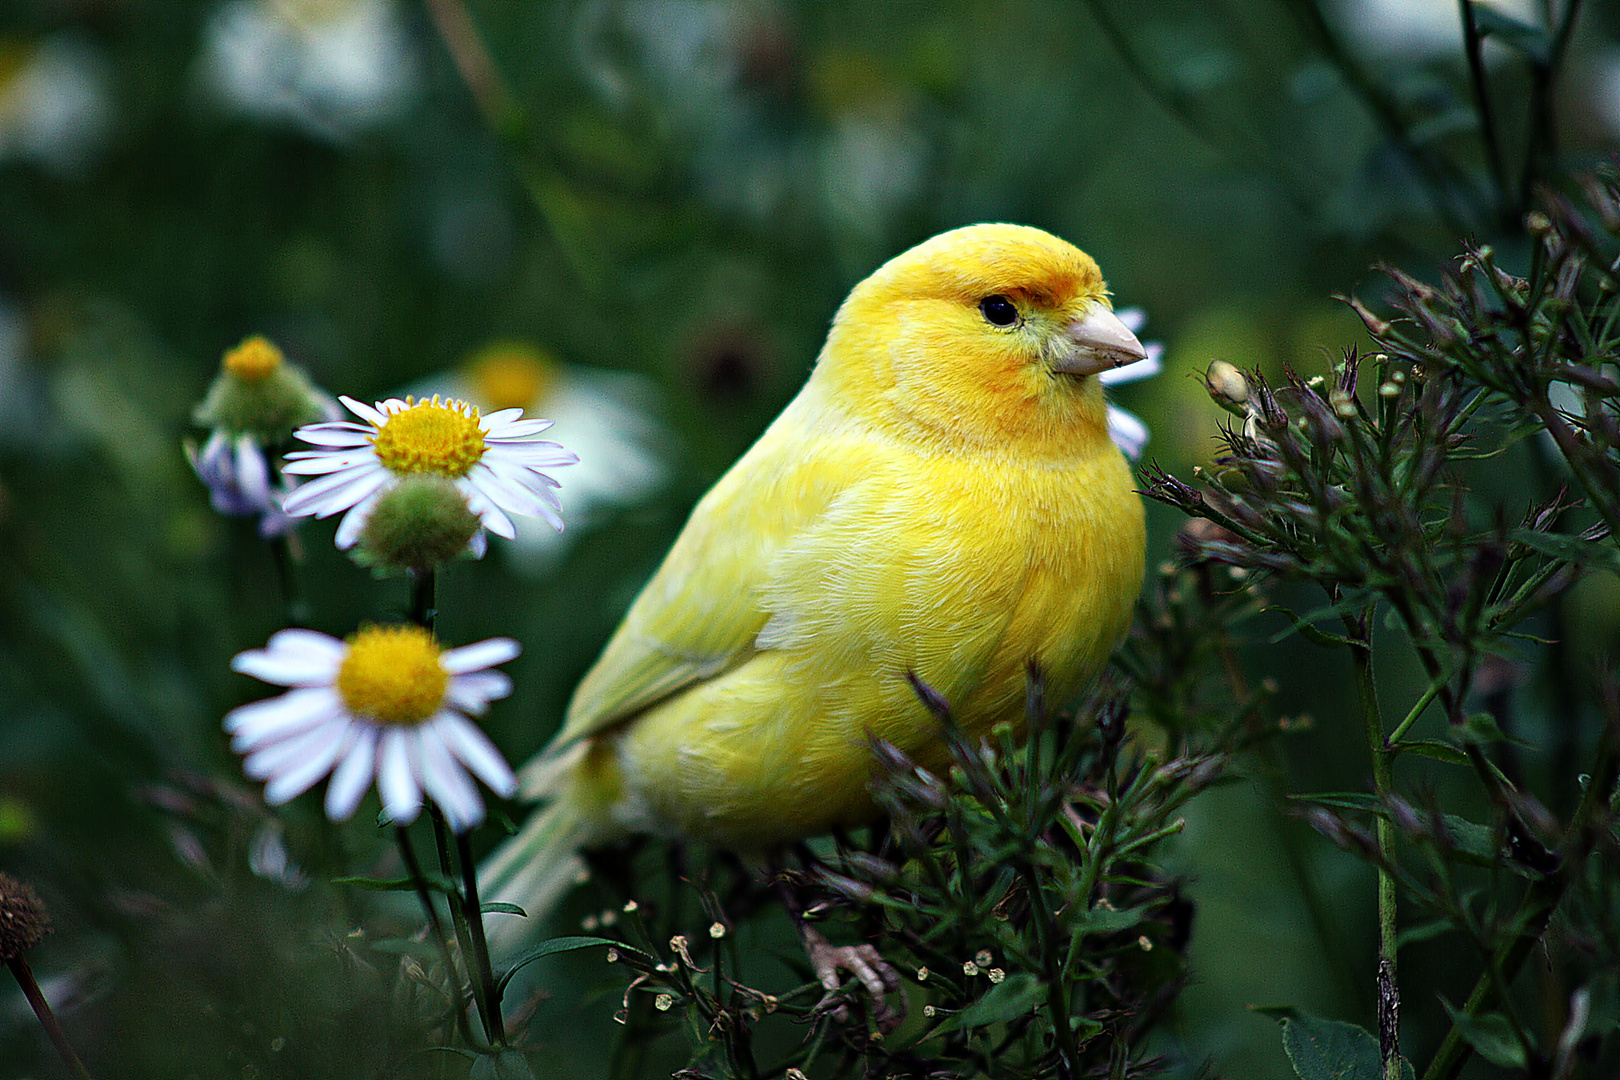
(255,360)
(439,439)
(511,374)
(393,675)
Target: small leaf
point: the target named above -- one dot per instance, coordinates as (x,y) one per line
(1422,932)
(1102,920)
(1306,630)
(501,907)
(1018,994)
(1490,1034)
(1329,1049)
(436,882)
(505,1064)
(1432,748)
(566,944)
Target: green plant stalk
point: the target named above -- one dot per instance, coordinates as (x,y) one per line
(487,1012)
(47,1018)
(1389,997)
(480,943)
(1535,912)
(435,927)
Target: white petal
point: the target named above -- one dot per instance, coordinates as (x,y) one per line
(1141,369)
(501,418)
(301,776)
(479,544)
(511,497)
(352,775)
(339,435)
(278,757)
(518,429)
(1127,431)
(489,515)
(1133,317)
(473,692)
(479,655)
(312,644)
(401,798)
(474,749)
(279,717)
(332,494)
(354,522)
(364,411)
(288,664)
(446,782)
(252,471)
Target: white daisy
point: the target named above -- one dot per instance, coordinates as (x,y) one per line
(387,705)
(331,67)
(1126,428)
(239,483)
(495,461)
(606,416)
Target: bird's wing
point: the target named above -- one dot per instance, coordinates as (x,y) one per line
(701,613)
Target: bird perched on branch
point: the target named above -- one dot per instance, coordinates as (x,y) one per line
(941,499)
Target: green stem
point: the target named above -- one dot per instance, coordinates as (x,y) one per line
(1359,631)
(424,590)
(285,549)
(464,935)
(435,927)
(475,921)
(47,1019)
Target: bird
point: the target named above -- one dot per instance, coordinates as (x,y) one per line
(940,502)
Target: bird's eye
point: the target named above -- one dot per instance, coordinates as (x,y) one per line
(999,310)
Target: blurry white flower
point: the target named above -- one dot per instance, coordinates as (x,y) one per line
(1422,28)
(55,108)
(1126,428)
(390,705)
(239,483)
(604,416)
(332,67)
(495,461)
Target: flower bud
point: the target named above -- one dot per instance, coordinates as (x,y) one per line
(258,393)
(422,522)
(23,921)
(1227,386)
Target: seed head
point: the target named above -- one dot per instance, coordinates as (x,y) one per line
(23,920)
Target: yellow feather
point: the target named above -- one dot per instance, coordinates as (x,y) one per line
(941,498)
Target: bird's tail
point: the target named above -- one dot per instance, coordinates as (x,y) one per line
(537,866)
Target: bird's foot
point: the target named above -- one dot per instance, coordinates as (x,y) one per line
(875,974)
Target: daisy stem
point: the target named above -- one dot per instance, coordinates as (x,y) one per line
(475,921)
(436,927)
(288,558)
(424,589)
(479,986)
(47,1019)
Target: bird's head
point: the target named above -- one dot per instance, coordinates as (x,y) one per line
(982,336)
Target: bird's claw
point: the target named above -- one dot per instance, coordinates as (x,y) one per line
(875,974)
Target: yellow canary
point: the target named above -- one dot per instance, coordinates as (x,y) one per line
(941,498)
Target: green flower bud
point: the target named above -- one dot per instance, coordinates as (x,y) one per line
(420,523)
(258,393)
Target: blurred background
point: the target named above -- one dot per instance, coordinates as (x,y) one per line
(635,217)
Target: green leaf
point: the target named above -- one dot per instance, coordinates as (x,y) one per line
(1490,1035)
(1570,549)
(1329,1049)
(1474,842)
(1014,996)
(1422,932)
(566,944)
(436,882)
(1533,41)
(1304,628)
(1432,748)
(501,907)
(1102,920)
(505,1064)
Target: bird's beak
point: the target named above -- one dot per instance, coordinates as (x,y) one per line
(1100,342)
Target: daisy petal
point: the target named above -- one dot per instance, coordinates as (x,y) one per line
(473,748)
(253,727)
(364,411)
(278,757)
(302,776)
(499,419)
(354,522)
(1127,431)
(473,693)
(340,435)
(479,655)
(352,775)
(401,797)
(287,667)
(292,711)
(445,781)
